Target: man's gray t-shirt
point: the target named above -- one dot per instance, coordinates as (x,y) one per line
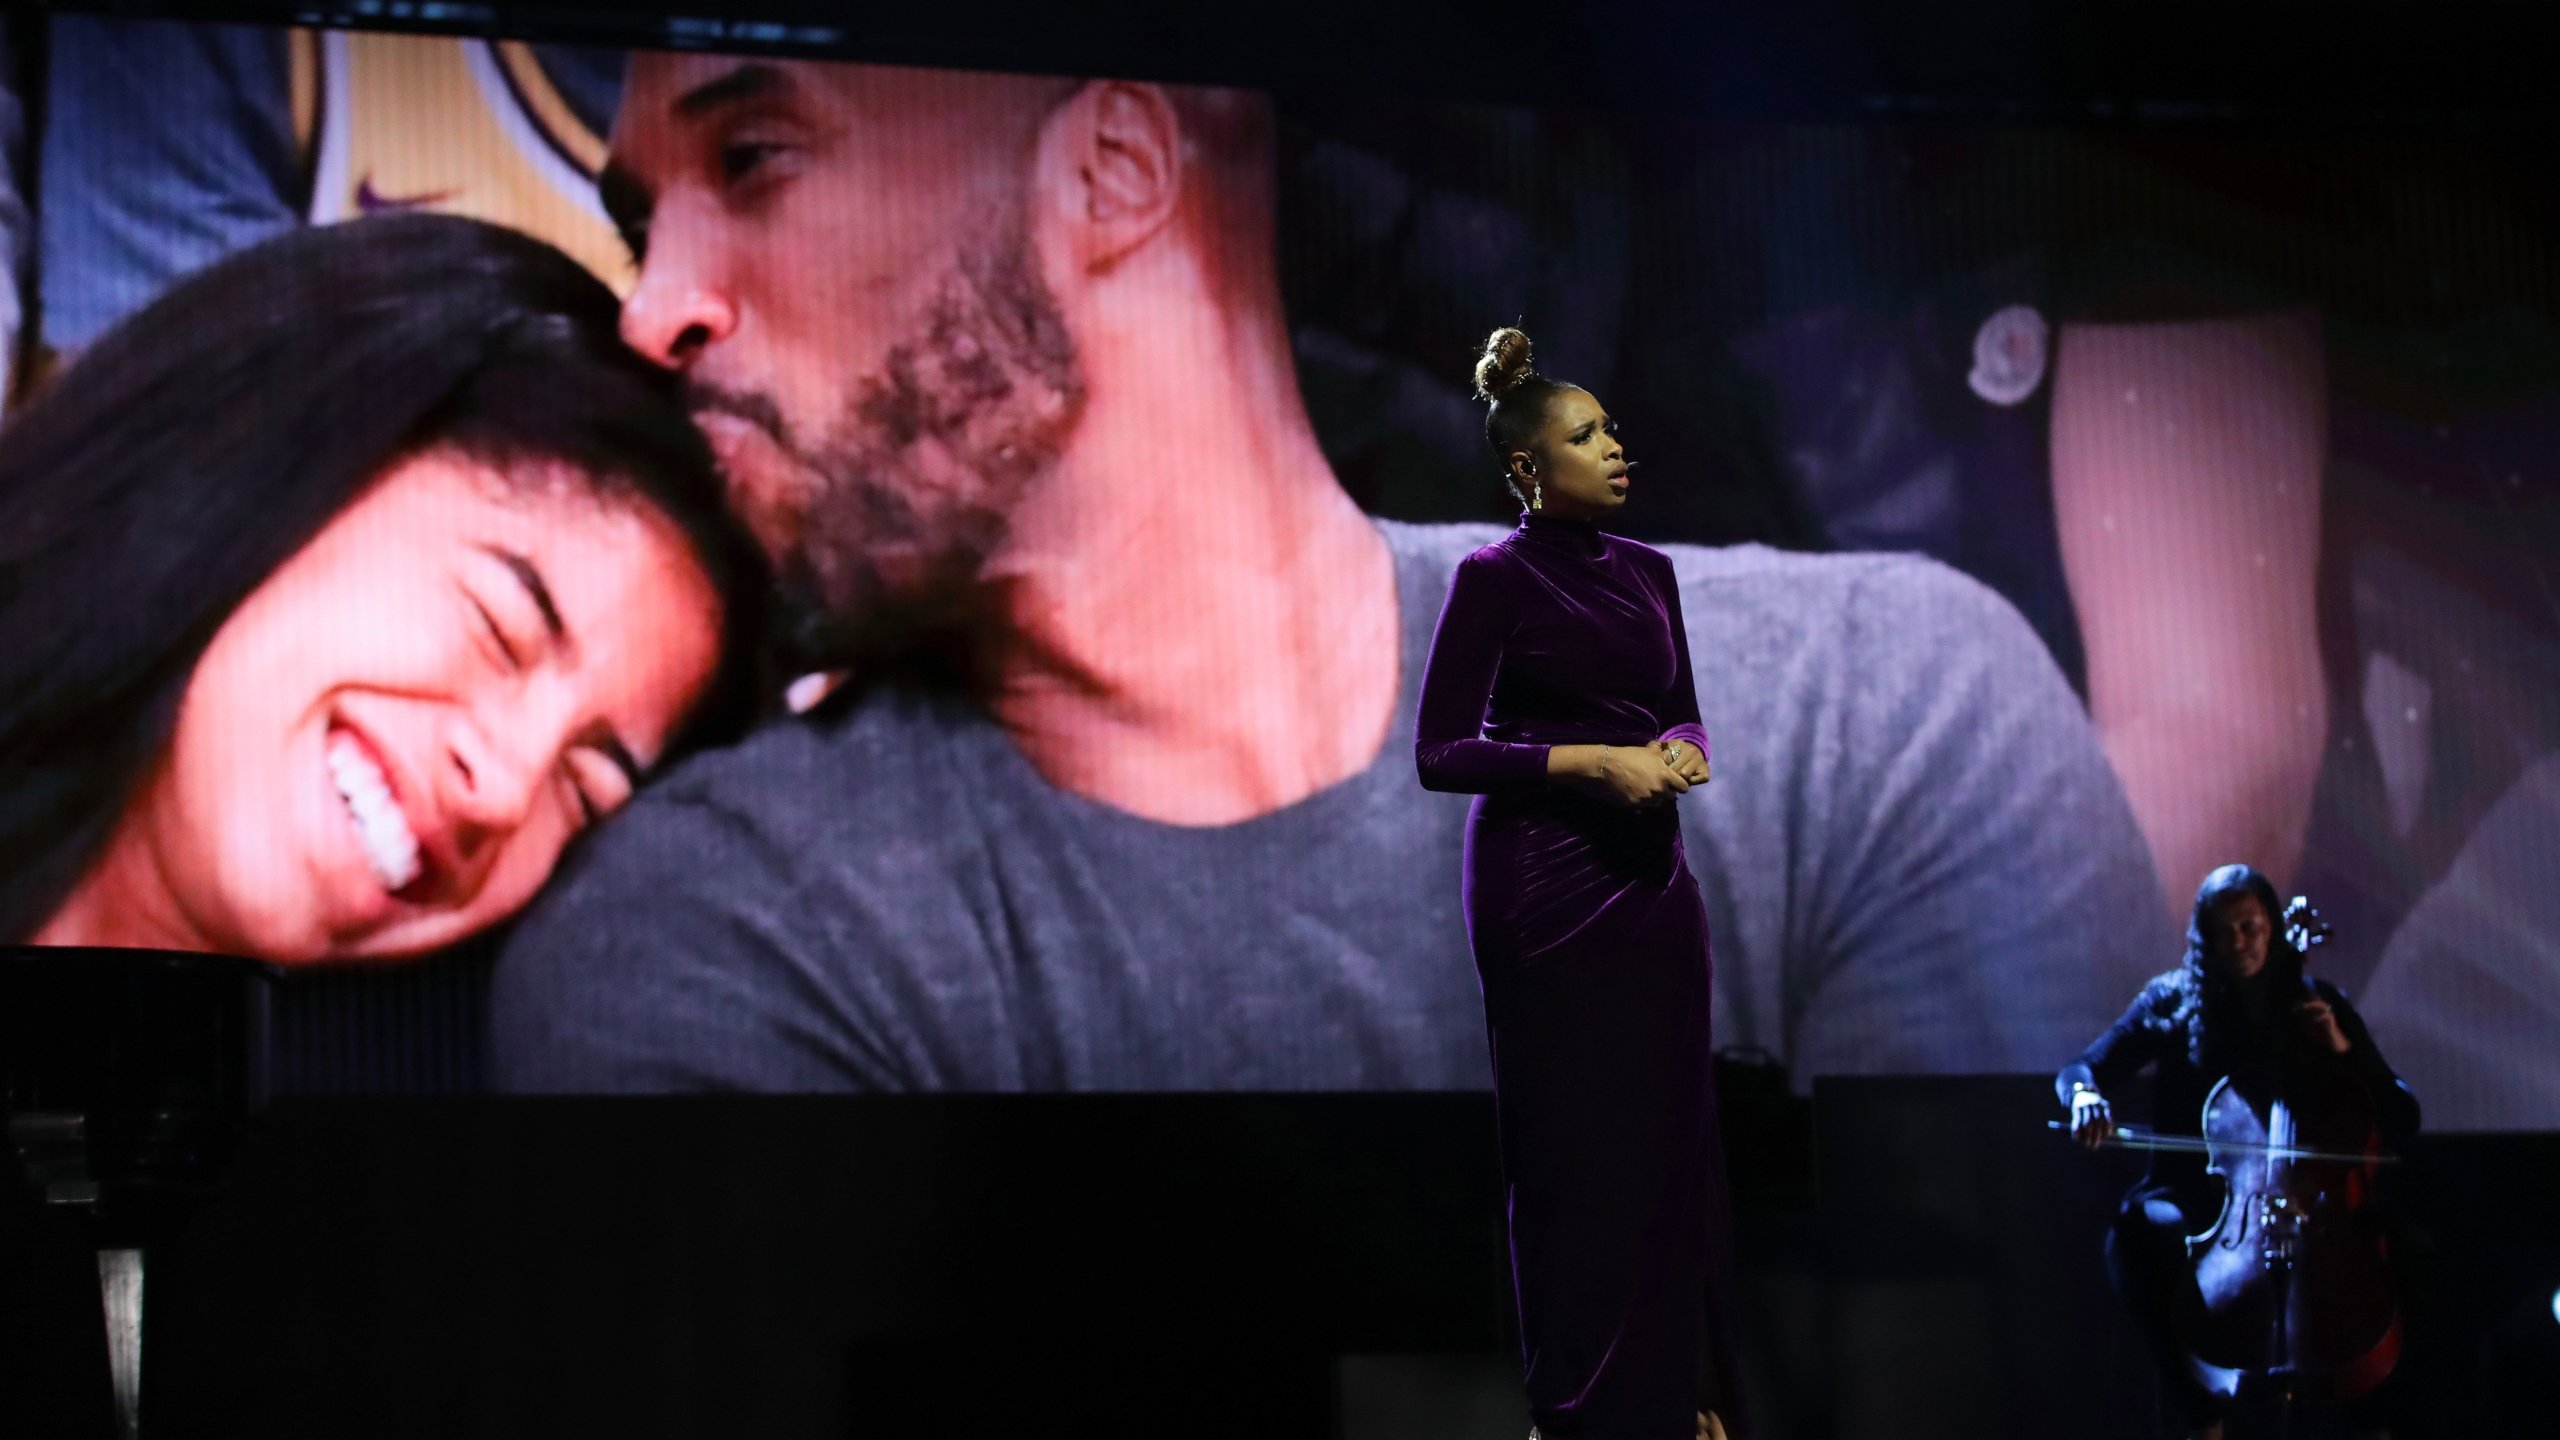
(1914,855)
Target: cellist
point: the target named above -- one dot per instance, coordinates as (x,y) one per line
(2237,1005)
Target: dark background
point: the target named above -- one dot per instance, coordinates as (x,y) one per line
(919,1265)
(2467,67)
(1149,1265)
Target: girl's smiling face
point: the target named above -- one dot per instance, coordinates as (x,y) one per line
(386,747)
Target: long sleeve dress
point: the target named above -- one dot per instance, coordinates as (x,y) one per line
(1590,942)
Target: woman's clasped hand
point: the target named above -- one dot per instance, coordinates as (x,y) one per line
(1638,776)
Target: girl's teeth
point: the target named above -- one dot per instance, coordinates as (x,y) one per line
(382,832)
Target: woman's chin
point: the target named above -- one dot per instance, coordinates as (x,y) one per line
(345,915)
(353,917)
(357,904)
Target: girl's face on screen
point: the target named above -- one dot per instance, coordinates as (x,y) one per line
(387,746)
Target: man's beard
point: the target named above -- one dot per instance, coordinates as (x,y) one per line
(911,490)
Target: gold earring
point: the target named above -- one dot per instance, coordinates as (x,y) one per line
(1537,496)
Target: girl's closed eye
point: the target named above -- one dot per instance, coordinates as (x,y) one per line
(503,652)
(600,779)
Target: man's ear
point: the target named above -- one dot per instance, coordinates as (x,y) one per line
(1111,159)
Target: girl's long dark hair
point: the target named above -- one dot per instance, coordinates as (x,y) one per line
(198,445)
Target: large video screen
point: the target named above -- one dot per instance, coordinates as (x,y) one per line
(866,578)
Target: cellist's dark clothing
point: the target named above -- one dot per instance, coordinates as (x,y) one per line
(2153,1033)
(2146,1247)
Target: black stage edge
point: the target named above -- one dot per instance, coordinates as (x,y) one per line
(2470,66)
(949,1266)
(1146,1265)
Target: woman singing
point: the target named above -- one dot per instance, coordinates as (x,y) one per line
(1558,691)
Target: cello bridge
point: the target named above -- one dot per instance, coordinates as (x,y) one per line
(2279,1232)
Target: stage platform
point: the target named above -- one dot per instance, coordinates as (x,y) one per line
(1923,1263)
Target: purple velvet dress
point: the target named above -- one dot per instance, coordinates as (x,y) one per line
(1590,942)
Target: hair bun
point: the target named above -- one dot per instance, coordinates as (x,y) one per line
(1504,364)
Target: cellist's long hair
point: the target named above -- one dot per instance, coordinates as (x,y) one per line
(2196,999)
(162,478)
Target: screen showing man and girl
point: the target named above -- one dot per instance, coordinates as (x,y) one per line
(844,577)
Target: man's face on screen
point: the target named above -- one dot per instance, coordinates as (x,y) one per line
(839,259)
(387,745)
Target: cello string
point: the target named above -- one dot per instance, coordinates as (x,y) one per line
(2132,1137)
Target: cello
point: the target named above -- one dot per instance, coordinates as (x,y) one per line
(2293,1277)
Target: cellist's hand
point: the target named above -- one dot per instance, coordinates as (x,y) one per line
(2322,1023)
(2091,1121)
